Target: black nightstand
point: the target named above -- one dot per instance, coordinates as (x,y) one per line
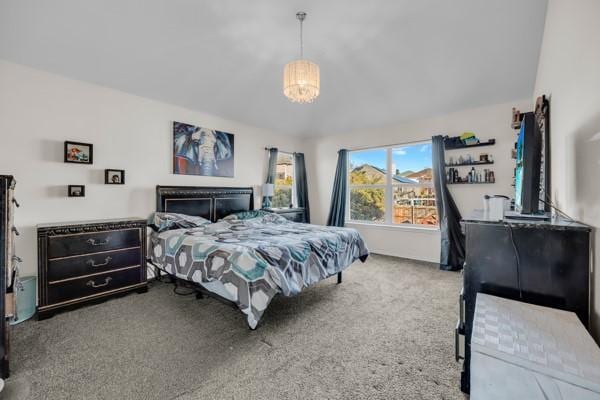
(85,261)
(293,214)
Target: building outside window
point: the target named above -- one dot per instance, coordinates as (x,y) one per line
(392,185)
(284,181)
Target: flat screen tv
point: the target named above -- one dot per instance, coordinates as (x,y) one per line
(527,173)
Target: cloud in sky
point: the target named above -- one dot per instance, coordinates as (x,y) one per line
(399,152)
(424,148)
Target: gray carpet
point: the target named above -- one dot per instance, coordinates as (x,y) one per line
(385,333)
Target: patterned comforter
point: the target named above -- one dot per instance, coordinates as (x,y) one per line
(253,260)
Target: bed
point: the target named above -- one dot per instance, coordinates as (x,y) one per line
(247,259)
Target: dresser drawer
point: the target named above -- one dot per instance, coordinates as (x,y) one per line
(70,267)
(82,288)
(85,243)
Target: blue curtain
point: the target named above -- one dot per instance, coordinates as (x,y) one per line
(452,254)
(301,185)
(272,165)
(337,210)
(271,169)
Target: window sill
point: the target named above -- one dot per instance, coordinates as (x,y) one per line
(407,228)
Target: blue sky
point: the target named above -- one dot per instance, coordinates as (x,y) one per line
(414,157)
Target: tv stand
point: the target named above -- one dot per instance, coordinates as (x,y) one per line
(531,217)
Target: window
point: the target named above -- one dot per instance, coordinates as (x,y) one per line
(284,195)
(392,185)
(368,171)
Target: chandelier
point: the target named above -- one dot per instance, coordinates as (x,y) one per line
(301,78)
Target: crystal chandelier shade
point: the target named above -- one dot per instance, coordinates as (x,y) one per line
(301,81)
(301,78)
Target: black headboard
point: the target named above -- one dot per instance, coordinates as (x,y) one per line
(212,203)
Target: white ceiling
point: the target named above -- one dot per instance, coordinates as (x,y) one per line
(381,61)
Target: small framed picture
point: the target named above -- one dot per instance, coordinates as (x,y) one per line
(79,153)
(114,176)
(76,191)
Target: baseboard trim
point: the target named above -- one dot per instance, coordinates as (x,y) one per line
(390,254)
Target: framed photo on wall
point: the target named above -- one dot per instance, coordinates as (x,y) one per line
(202,151)
(79,153)
(114,176)
(76,191)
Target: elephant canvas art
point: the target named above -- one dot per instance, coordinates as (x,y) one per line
(202,151)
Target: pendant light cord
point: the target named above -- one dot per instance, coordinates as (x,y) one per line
(301,40)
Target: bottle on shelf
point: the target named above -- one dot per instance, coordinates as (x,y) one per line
(472,177)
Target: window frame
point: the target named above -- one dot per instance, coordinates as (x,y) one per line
(293,185)
(388,187)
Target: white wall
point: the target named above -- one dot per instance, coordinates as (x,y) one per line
(39,111)
(423,244)
(569,72)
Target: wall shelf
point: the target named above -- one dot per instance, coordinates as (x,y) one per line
(464,146)
(470,164)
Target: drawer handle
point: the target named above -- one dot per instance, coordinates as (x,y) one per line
(92,263)
(457,355)
(16,202)
(461,307)
(15,231)
(94,285)
(94,243)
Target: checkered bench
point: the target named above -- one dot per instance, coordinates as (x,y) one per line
(520,350)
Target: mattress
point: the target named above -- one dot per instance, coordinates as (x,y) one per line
(251,261)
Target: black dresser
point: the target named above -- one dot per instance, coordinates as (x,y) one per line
(538,262)
(7,261)
(295,214)
(82,262)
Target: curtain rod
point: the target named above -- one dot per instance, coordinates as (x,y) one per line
(281,151)
(388,145)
